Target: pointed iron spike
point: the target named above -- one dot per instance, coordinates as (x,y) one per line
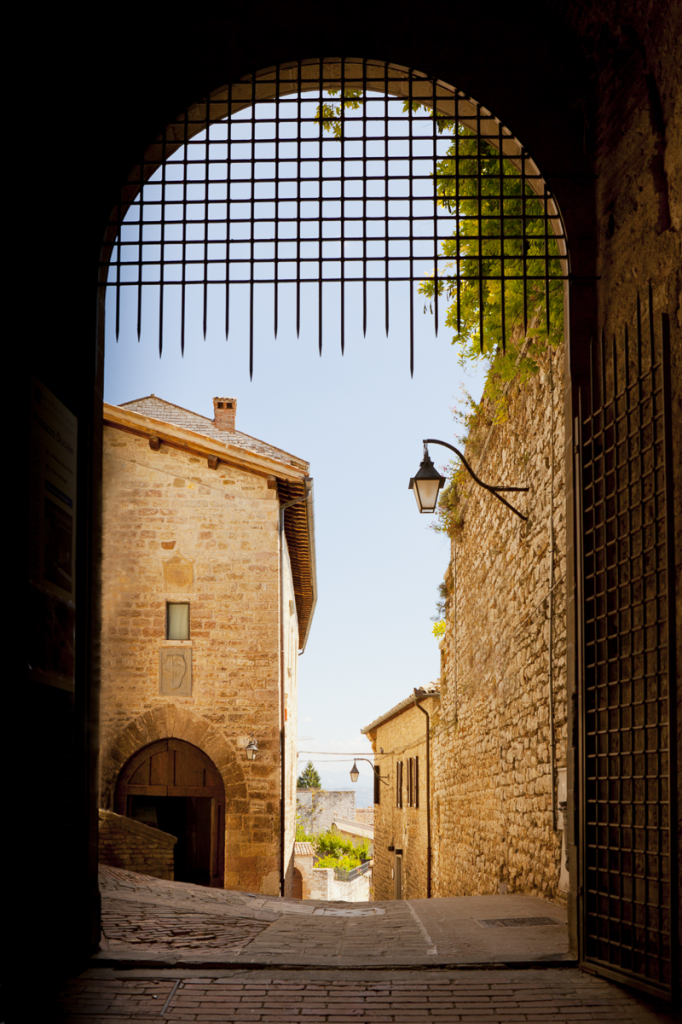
(435,305)
(275,308)
(343,319)
(205,305)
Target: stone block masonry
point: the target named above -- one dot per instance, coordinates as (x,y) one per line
(317,808)
(494,735)
(128,844)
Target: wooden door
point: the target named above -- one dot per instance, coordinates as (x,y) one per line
(179,786)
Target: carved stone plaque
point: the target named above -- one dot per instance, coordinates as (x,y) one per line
(175,671)
(178,573)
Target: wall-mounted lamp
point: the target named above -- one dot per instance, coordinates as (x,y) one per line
(427,482)
(251,748)
(355,771)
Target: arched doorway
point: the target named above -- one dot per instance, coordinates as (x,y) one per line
(173,786)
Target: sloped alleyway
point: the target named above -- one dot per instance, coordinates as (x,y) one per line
(180,952)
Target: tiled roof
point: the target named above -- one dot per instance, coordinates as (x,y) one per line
(304,850)
(427,690)
(159,409)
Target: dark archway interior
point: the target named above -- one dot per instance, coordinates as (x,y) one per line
(586,90)
(174,786)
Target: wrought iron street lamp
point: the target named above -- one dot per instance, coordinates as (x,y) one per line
(251,748)
(427,482)
(355,771)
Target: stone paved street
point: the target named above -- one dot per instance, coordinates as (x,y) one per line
(146,921)
(497,996)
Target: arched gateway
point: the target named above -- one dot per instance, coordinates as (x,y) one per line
(197,218)
(173,786)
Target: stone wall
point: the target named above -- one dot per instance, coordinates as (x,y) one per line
(365,815)
(325,886)
(401,828)
(492,748)
(177,530)
(317,808)
(124,843)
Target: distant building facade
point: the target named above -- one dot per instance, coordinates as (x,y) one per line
(317,808)
(401,800)
(208,595)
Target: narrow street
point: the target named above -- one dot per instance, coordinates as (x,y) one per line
(179,952)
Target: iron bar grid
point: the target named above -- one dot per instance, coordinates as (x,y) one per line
(329,174)
(629,868)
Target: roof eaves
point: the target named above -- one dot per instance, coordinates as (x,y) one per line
(402,706)
(181,437)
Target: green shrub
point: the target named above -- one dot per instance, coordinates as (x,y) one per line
(345,863)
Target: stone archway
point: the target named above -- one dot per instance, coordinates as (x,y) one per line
(168,722)
(173,786)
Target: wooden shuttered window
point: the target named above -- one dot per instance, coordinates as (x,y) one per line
(413,782)
(399,784)
(377,784)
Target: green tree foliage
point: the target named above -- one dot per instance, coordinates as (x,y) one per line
(498,247)
(309,778)
(336,852)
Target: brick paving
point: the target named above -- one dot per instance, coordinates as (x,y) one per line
(548,996)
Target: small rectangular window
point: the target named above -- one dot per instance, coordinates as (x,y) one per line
(377,784)
(177,621)
(416,782)
(399,784)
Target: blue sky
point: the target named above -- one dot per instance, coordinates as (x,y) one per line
(359,420)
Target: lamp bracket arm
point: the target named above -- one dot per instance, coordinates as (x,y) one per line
(488,487)
(374,768)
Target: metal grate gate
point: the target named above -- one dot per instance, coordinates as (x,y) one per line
(628,867)
(300,186)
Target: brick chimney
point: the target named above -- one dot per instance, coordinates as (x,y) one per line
(224,413)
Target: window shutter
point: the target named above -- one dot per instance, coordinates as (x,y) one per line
(377,784)
(416,782)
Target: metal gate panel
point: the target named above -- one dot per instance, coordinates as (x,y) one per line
(628,867)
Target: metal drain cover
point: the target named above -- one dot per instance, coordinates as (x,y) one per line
(517,922)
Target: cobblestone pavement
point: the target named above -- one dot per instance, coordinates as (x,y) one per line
(146,920)
(494,996)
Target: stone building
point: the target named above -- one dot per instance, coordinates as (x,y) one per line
(208,585)
(400,741)
(499,740)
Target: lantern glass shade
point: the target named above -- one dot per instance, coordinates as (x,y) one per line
(251,749)
(354,773)
(426,484)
